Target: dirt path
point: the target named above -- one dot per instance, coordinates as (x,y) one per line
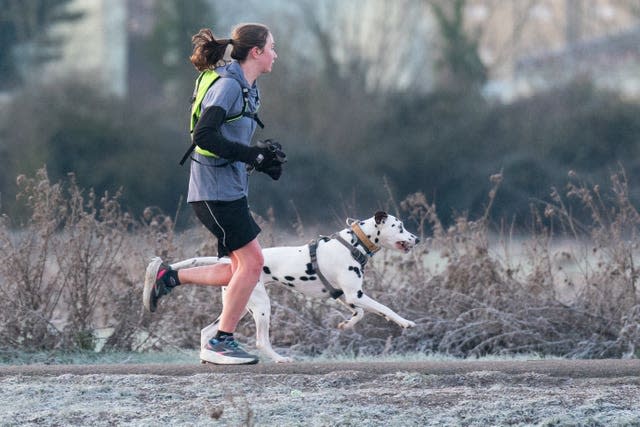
(465,393)
(607,368)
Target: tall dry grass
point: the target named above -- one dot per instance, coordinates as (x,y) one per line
(486,302)
(71,279)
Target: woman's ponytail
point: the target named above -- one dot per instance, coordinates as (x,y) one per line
(207,51)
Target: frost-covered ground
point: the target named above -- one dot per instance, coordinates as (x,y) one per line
(342,393)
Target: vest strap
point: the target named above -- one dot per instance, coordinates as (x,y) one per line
(207,78)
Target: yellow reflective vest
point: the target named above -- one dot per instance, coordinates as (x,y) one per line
(205,80)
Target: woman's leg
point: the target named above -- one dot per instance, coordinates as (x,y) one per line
(247,266)
(213,275)
(160,279)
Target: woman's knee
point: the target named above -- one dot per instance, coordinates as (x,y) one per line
(250,258)
(255,264)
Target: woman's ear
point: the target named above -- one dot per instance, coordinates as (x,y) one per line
(255,52)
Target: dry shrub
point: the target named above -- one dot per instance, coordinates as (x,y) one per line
(58,264)
(75,266)
(72,270)
(31,291)
(607,293)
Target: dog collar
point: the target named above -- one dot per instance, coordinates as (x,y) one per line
(368,245)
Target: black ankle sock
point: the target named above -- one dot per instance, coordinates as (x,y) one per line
(222,334)
(171,278)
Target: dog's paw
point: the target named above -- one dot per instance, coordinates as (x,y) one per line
(344,325)
(282,359)
(408,324)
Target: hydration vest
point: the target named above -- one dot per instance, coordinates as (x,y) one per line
(205,80)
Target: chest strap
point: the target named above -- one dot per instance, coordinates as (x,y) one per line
(355,253)
(313,248)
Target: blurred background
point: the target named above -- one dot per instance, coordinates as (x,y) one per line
(373,100)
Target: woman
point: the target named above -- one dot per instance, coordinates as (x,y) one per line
(218,182)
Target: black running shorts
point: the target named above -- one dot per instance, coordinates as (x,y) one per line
(231,222)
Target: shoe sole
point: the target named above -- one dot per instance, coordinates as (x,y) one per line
(218,359)
(150,281)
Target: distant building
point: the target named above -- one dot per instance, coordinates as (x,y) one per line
(534,45)
(611,62)
(94,47)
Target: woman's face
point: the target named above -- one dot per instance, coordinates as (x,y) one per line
(267,55)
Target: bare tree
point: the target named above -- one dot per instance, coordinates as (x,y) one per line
(460,59)
(381,45)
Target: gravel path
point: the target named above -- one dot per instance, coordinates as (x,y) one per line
(459,393)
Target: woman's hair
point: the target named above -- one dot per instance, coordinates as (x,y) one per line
(209,52)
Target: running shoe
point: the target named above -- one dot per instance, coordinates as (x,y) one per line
(156,284)
(226,351)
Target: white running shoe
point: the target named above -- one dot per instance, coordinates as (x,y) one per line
(226,351)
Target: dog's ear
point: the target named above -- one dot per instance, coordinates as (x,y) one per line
(380,216)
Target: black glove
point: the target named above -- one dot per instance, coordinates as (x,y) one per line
(272,162)
(274,156)
(274,171)
(258,157)
(276,148)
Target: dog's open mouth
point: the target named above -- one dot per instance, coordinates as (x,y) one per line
(404,246)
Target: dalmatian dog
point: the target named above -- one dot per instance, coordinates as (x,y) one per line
(330,267)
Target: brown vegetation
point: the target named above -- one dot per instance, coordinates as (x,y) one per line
(74,267)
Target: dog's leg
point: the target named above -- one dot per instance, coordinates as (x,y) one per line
(259,306)
(357,313)
(368,304)
(198,261)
